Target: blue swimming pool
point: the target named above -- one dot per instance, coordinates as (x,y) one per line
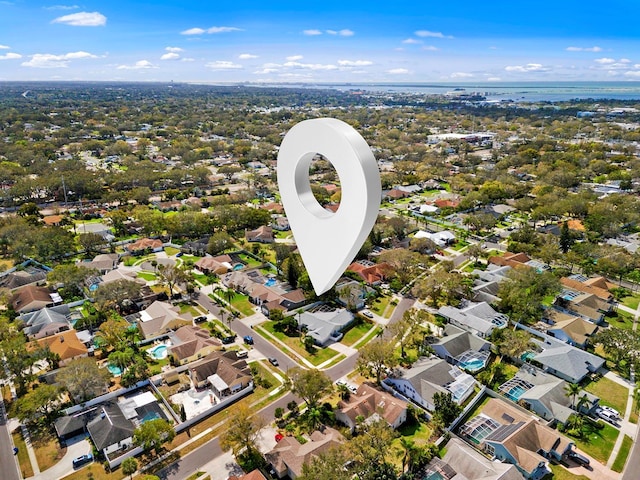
(115,371)
(238,266)
(270,282)
(158,352)
(515,393)
(93,287)
(473,365)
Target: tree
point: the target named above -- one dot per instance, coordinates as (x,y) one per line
(566,238)
(91,242)
(242,432)
(152,434)
(113,333)
(116,294)
(522,293)
(219,242)
(443,287)
(330,464)
(371,449)
(36,404)
(571,390)
(83,379)
(511,342)
(172,275)
(310,385)
(376,357)
(129,466)
(71,276)
(475,251)
(446,409)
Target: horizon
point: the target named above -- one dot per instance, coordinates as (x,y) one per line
(372,42)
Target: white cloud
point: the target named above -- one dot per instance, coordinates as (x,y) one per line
(604,61)
(354,63)
(624,60)
(411,41)
(174,49)
(633,73)
(310,66)
(294,58)
(62,7)
(170,56)
(223,65)
(200,31)
(398,71)
(343,33)
(494,79)
(4,47)
(529,67)
(139,65)
(430,48)
(193,31)
(187,59)
(595,48)
(312,32)
(48,60)
(247,56)
(83,19)
(428,33)
(461,75)
(10,56)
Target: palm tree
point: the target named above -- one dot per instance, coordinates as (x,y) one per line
(582,401)
(571,390)
(343,390)
(408,446)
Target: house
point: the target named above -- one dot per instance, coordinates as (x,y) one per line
(280,223)
(597,286)
(486,283)
(52,220)
(546,395)
(273,207)
(442,239)
(192,343)
(111,430)
(325,325)
(289,455)
(462,348)
(428,209)
(371,404)
(119,274)
(565,361)
(263,234)
(224,372)
(429,376)
(70,426)
(585,305)
(65,344)
(160,317)
(371,273)
(395,194)
(512,435)
(462,462)
(253,475)
(139,247)
(47,321)
(196,247)
(569,328)
(216,265)
(478,318)
(510,259)
(31,298)
(453,202)
(352,294)
(98,228)
(103,263)
(20,278)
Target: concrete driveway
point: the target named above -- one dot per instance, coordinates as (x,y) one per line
(75,447)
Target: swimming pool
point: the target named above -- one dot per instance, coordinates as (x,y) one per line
(473,364)
(93,287)
(515,393)
(238,266)
(158,352)
(115,371)
(270,282)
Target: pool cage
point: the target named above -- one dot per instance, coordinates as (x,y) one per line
(472,360)
(513,389)
(478,428)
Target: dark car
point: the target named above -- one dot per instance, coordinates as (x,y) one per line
(248,340)
(273,361)
(229,339)
(200,319)
(81,460)
(578,458)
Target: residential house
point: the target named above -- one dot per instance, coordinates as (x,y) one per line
(31,298)
(565,361)
(65,344)
(47,321)
(52,220)
(111,431)
(597,286)
(196,247)
(371,273)
(462,348)
(273,207)
(20,278)
(429,376)
(452,202)
(395,194)
(103,263)
(217,265)
(512,435)
(98,228)
(569,328)
(352,294)
(585,305)
(192,343)
(486,283)
(478,318)
(253,475)
(325,325)
(119,274)
(371,404)
(224,372)
(143,245)
(442,239)
(462,462)
(160,317)
(263,234)
(289,455)
(510,259)
(280,223)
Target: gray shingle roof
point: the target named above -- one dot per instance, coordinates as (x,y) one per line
(110,427)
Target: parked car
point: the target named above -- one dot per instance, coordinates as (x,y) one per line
(81,460)
(606,415)
(367,313)
(578,458)
(610,410)
(248,339)
(273,361)
(242,353)
(200,319)
(229,339)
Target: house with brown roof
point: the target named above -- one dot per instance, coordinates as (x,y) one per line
(510,259)
(289,455)
(224,372)
(192,343)
(254,475)
(103,263)
(597,286)
(31,298)
(263,234)
(218,265)
(371,404)
(371,273)
(512,435)
(140,246)
(66,345)
(395,194)
(52,220)
(585,305)
(447,202)
(273,207)
(19,278)
(161,317)
(569,328)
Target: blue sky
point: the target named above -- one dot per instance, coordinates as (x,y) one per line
(330,41)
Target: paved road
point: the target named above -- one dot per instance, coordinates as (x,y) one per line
(7,460)
(632,469)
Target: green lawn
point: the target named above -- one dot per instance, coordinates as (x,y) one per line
(611,393)
(170,250)
(319,356)
(242,304)
(23,455)
(620,319)
(418,432)
(366,339)
(249,261)
(631,301)
(597,443)
(379,305)
(355,333)
(561,473)
(184,307)
(149,277)
(621,458)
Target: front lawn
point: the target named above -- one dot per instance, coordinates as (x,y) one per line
(631,301)
(597,442)
(620,319)
(170,250)
(611,393)
(561,473)
(355,333)
(149,277)
(319,355)
(47,448)
(242,304)
(23,455)
(380,304)
(621,458)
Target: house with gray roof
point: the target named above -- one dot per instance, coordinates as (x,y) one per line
(326,325)
(111,430)
(103,263)
(487,282)
(462,348)
(565,361)
(45,322)
(429,376)
(478,318)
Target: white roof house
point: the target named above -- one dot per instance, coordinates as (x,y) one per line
(441,239)
(324,326)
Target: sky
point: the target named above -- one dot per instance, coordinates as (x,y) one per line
(320,42)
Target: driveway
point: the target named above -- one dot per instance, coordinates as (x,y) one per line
(75,447)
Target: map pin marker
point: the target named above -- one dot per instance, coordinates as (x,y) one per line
(328,241)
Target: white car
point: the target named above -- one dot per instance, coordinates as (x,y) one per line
(367,313)
(606,415)
(610,410)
